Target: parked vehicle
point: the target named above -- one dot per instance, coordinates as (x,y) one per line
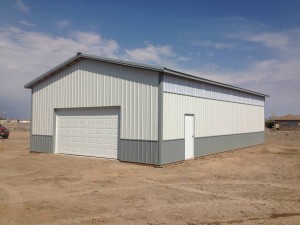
(4,132)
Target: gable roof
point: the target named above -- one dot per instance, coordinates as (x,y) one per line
(287,117)
(165,70)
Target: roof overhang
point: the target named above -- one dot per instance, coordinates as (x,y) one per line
(80,56)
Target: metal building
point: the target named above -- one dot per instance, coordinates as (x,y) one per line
(96,106)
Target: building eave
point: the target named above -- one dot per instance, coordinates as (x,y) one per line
(192,77)
(80,56)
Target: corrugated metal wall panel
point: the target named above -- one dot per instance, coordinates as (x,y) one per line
(138,151)
(41,143)
(183,86)
(212,117)
(211,145)
(172,151)
(91,83)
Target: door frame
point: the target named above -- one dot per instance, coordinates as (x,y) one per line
(193,115)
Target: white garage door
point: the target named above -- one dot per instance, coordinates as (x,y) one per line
(88,132)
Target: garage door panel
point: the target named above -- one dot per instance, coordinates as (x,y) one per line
(90,132)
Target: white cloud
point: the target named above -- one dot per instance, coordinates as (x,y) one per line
(26,23)
(216,45)
(241,23)
(278,78)
(284,64)
(277,75)
(27,54)
(210,53)
(19,5)
(182,58)
(270,40)
(92,41)
(63,24)
(286,43)
(160,55)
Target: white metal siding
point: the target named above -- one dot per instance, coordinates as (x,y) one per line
(89,132)
(91,83)
(182,86)
(212,117)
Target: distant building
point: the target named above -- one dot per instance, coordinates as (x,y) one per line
(24,121)
(12,121)
(287,122)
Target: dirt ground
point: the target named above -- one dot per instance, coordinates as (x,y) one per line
(256,185)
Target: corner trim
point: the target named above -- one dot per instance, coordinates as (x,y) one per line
(30,144)
(160,114)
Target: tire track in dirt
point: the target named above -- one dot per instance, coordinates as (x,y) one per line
(104,219)
(271,217)
(92,219)
(193,190)
(240,182)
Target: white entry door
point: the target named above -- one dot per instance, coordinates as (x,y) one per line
(87,132)
(189,136)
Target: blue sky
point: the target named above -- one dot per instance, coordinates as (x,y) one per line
(250,44)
